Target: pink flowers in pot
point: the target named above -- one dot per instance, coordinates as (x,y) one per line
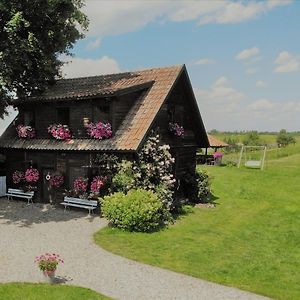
(32,175)
(25,131)
(80,185)
(218,154)
(176,129)
(18,177)
(48,263)
(97,184)
(59,131)
(99,130)
(56,180)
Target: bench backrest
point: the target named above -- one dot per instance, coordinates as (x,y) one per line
(20,192)
(92,203)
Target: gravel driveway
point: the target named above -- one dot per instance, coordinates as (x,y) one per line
(27,231)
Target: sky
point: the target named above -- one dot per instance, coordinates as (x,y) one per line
(243,57)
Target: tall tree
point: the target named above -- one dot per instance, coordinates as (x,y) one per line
(34,35)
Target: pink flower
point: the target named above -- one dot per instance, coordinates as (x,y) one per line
(80,185)
(59,131)
(18,176)
(32,175)
(56,181)
(25,131)
(176,129)
(218,154)
(97,184)
(99,130)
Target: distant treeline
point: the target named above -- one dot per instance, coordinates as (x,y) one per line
(242,132)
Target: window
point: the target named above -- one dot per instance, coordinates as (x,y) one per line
(63,115)
(102,113)
(28,118)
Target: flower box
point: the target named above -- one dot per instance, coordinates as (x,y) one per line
(25,132)
(59,131)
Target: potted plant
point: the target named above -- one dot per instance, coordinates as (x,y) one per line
(80,187)
(18,177)
(99,130)
(60,132)
(218,158)
(26,132)
(176,129)
(48,263)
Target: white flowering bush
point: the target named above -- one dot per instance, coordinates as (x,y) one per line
(153,170)
(124,180)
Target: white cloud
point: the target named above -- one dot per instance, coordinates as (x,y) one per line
(220,96)
(247,53)
(205,61)
(251,71)
(261,105)
(287,62)
(80,67)
(260,83)
(118,17)
(94,44)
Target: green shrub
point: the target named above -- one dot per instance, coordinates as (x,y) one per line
(138,210)
(196,187)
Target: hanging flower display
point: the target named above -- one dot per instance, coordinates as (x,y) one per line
(32,175)
(26,132)
(80,185)
(176,129)
(59,131)
(99,130)
(97,184)
(56,180)
(17,177)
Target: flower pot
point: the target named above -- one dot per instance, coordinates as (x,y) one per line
(50,276)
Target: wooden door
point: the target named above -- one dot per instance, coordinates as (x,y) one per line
(47,193)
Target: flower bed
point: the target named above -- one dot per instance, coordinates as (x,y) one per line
(59,131)
(26,132)
(99,130)
(176,129)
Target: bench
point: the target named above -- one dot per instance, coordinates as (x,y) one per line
(17,193)
(81,203)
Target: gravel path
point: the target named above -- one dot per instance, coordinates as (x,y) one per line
(27,231)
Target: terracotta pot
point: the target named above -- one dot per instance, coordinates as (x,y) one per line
(49,276)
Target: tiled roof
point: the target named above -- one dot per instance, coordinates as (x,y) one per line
(135,125)
(214,142)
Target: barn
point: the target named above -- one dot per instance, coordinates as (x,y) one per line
(133,103)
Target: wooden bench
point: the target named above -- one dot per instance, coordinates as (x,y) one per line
(17,193)
(81,203)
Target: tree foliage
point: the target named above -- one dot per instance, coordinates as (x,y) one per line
(252,139)
(34,35)
(284,139)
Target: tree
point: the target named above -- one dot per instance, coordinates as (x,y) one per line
(284,139)
(34,36)
(252,139)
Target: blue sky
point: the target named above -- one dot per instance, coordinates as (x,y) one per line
(243,57)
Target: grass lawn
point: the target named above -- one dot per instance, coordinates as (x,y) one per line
(251,240)
(31,291)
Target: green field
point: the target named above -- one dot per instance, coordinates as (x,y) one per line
(251,240)
(31,291)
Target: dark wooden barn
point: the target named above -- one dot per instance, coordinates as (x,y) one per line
(135,103)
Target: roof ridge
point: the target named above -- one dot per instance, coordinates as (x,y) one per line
(121,73)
